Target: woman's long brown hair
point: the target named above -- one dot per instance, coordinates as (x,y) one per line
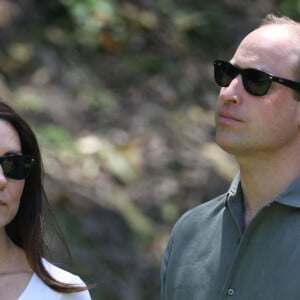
(26,229)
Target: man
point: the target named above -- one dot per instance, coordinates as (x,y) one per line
(245,244)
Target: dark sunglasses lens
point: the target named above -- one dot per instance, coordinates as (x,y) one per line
(17,166)
(256,82)
(224,73)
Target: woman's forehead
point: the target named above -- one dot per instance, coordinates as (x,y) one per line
(10,140)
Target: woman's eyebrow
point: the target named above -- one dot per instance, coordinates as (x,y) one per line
(12,152)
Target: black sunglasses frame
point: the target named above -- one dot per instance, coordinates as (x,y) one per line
(231,71)
(14,170)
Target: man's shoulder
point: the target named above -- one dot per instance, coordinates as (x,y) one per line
(202,212)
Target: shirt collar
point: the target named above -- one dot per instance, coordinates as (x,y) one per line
(234,189)
(290,197)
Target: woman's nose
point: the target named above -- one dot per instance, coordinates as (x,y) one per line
(3,179)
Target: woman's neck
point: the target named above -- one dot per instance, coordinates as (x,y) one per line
(12,258)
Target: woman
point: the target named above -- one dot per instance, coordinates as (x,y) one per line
(24,273)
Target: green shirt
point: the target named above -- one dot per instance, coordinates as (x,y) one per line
(211,257)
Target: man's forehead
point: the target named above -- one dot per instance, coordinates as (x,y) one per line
(270,42)
(277,33)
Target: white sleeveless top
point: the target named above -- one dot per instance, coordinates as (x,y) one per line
(37,289)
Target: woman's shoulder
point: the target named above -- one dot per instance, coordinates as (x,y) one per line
(37,289)
(62,275)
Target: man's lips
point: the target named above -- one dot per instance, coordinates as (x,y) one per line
(2,203)
(228,117)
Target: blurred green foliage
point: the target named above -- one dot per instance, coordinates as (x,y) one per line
(56,138)
(92,16)
(114,25)
(290,8)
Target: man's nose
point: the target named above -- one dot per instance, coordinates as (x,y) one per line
(232,93)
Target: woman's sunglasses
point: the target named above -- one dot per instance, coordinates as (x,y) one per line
(16,166)
(255,82)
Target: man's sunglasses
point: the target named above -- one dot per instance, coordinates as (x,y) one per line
(16,166)
(255,82)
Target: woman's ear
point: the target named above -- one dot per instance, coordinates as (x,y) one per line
(297,99)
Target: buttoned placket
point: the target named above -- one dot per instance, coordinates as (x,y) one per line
(230,291)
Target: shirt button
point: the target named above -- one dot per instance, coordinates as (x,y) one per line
(230,292)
